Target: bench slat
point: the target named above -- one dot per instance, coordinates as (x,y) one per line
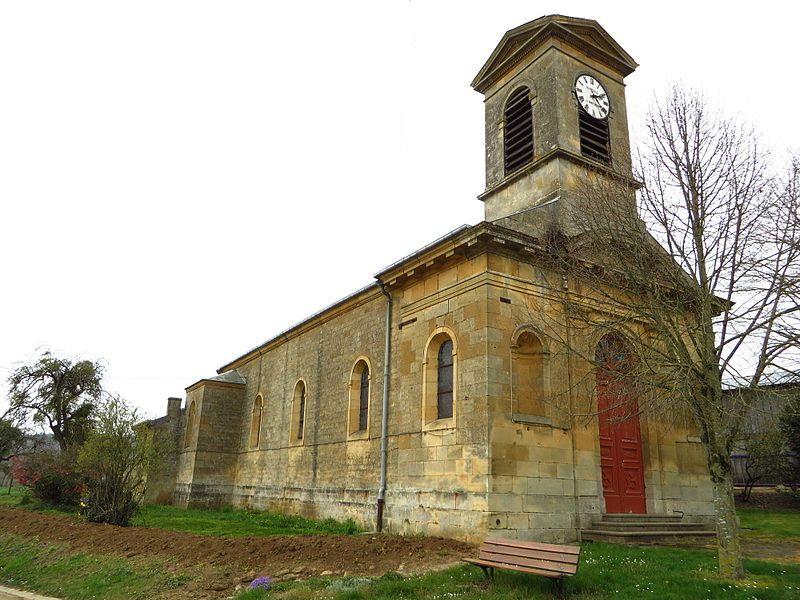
(529,562)
(488,563)
(534,546)
(570,559)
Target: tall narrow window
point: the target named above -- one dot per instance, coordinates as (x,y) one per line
(255,422)
(518,135)
(298,413)
(302,416)
(440,380)
(358,400)
(444,381)
(363,400)
(190,418)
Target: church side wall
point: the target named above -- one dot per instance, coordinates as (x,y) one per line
(324,475)
(436,475)
(168,430)
(207,465)
(187,450)
(438,470)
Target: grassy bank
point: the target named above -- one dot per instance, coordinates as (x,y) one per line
(606,571)
(222,522)
(229,522)
(51,569)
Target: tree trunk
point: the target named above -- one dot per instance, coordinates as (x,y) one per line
(728,543)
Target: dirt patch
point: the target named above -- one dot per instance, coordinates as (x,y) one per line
(780,551)
(233,561)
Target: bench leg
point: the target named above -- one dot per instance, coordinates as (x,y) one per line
(559,584)
(488,571)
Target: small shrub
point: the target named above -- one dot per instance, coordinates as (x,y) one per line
(789,423)
(52,477)
(115,462)
(766,460)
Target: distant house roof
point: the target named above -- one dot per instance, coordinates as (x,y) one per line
(768,381)
(155,422)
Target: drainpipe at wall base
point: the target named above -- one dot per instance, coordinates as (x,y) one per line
(384,408)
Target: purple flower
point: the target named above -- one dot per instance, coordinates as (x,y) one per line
(263,583)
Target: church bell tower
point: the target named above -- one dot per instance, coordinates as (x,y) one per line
(555,110)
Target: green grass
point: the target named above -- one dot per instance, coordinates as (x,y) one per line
(230,522)
(19,497)
(219,522)
(51,569)
(782,524)
(606,571)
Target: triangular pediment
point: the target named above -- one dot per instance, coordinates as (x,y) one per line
(585,35)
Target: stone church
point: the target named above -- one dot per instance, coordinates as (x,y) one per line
(422,403)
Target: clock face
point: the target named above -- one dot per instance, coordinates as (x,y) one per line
(592,96)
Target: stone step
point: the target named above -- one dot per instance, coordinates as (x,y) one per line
(648,526)
(629,518)
(682,537)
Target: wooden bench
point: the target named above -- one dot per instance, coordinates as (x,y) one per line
(547,560)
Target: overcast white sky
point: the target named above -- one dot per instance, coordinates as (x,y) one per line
(179,181)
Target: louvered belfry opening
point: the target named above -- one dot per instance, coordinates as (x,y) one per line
(518,140)
(594,137)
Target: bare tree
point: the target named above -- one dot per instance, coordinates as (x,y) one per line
(703,279)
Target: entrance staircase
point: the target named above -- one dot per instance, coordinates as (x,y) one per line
(666,529)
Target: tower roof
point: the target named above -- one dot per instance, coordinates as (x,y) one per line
(584,34)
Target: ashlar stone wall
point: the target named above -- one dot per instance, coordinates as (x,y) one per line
(437,470)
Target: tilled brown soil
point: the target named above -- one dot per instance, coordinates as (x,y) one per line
(232,561)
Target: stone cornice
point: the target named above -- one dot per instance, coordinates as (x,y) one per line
(553,154)
(350,302)
(463,241)
(519,42)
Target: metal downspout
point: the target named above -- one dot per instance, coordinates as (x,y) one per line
(385,407)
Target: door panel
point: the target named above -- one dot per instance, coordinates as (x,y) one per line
(620,447)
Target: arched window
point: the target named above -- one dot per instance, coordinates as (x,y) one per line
(440,369)
(614,359)
(528,377)
(444,381)
(190,419)
(358,414)
(518,133)
(255,422)
(298,412)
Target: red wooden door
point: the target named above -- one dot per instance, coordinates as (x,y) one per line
(620,446)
